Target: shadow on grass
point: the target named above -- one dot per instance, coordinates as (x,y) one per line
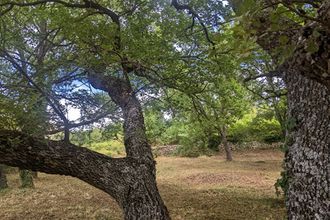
(233,203)
(57,197)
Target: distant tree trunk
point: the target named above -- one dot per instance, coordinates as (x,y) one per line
(223,135)
(279,114)
(3,178)
(34,174)
(26,178)
(308,157)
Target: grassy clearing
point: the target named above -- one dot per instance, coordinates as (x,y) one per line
(113,148)
(200,188)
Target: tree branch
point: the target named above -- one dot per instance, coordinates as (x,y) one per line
(87,5)
(83,123)
(48,98)
(310,56)
(275,73)
(182,7)
(57,157)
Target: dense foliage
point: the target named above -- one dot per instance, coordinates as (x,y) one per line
(203,72)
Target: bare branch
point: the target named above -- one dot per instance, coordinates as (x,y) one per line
(47,96)
(83,123)
(275,73)
(181,7)
(87,5)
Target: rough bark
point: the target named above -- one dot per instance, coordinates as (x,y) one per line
(307,77)
(143,200)
(223,134)
(3,178)
(131,181)
(26,178)
(307,160)
(127,180)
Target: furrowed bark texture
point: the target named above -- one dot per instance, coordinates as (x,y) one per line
(131,181)
(128,181)
(307,160)
(142,200)
(307,77)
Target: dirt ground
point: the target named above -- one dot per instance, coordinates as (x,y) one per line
(202,188)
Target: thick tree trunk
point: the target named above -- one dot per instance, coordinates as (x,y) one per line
(307,160)
(143,200)
(26,178)
(3,178)
(306,74)
(223,134)
(131,181)
(127,180)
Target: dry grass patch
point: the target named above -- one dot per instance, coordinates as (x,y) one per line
(225,178)
(56,197)
(203,188)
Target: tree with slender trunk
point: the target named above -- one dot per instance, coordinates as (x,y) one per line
(131,181)
(115,66)
(223,135)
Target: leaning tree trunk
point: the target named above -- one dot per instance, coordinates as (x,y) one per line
(307,160)
(223,134)
(143,200)
(143,187)
(131,181)
(3,178)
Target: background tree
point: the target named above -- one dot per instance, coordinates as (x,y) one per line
(125,47)
(213,111)
(117,65)
(224,106)
(267,87)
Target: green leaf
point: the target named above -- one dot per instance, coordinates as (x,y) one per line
(246,6)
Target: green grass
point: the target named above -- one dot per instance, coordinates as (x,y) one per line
(202,188)
(113,148)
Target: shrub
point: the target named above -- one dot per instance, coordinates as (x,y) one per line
(214,142)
